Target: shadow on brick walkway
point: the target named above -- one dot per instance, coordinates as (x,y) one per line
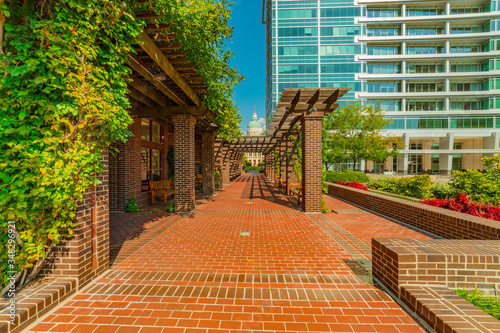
(245,261)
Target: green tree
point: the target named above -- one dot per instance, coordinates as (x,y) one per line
(356,132)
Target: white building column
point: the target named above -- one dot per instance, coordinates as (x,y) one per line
(362,166)
(492,142)
(403,158)
(446,159)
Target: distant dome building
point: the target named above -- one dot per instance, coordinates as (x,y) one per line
(254,128)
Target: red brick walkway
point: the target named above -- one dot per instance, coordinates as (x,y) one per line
(246,261)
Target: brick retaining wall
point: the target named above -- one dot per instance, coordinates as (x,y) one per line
(439,221)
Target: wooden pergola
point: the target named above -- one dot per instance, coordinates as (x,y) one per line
(297,110)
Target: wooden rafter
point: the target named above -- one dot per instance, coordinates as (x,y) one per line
(155,53)
(139,66)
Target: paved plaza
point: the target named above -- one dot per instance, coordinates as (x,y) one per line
(247,260)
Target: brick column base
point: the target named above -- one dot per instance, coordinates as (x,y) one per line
(86,254)
(311,162)
(184,162)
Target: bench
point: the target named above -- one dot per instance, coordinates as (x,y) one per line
(295,190)
(161,186)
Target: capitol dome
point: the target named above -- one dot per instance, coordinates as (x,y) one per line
(254,127)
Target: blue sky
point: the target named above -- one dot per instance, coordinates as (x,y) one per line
(249,47)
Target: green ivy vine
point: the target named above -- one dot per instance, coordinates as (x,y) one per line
(63,102)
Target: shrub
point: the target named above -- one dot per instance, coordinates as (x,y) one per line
(441,190)
(416,186)
(386,184)
(488,304)
(346,176)
(253,168)
(171,207)
(464,205)
(479,187)
(357,185)
(217,180)
(324,207)
(132,206)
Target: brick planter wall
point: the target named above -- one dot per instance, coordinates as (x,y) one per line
(439,221)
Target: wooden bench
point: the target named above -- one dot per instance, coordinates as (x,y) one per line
(295,190)
(161,186)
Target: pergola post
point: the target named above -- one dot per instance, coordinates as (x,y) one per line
(184,161)
(226,165)
(311,161)
(282,158)
(208,162)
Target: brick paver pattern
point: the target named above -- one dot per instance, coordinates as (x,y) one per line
(245,261)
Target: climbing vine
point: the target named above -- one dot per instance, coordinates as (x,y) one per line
(297,163)
(63,102)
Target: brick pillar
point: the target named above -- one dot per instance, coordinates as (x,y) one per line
(288,163)
(226,165)
(208,162)
(86,255)
(292,158)
(311,162)
(184,162)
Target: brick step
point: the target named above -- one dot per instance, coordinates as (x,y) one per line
(123,276)
(360,294)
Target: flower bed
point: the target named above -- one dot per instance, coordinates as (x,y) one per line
(464,205)
(357,185)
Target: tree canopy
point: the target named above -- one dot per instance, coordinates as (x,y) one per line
(356,132)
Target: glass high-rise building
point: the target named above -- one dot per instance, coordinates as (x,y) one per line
(433,66)
(311,43)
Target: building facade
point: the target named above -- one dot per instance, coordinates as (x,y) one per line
(434,67)
(255,128)
(311,44)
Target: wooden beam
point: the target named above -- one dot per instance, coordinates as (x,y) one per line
(148,16)
(138,66)
(145,112)
(169,46)
(150,47)
(146,90)
(157,27)
(138,96)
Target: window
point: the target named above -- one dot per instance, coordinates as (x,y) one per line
(457,145)
(423,49)
(297,32)
(421,122)
(424,11)
(382,12)
(466,105)
(383,68)
(471,122)
(435,163)
(152,165)
(387,104)
(424,86)
(424,68)
(383,87)
(341,12)
(340,31)
(424,105)
(422,31)
(415,146)
(150,131)
(340,49)
(386,31)
(465,67)
(297,50)
(383,50)
(298,13)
